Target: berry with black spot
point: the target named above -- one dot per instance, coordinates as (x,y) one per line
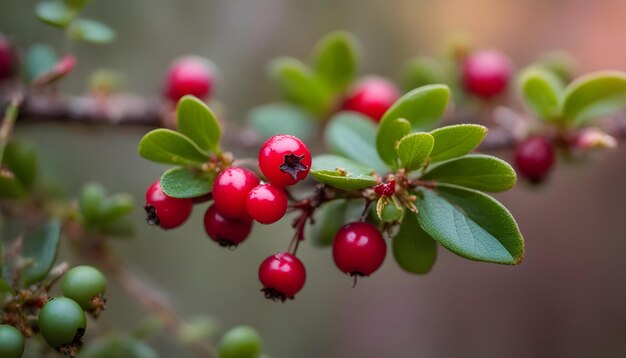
(267,203)
(487,73)
(62,323)
(359,249)
(372,97)
(192,75)
(226,231)
(165,211)
(230,192)
(534,158)
(284,160)
(282,275)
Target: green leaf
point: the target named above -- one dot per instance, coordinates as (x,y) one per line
(91,31)
(186,183)
(475,171)
(422,107)
(118,228)
(337,60)
(541,91)
(198,123)
(388,138)
(41,247)
(470,224)
(353,135)
(300,86)
(5,287)
(10,187)
(423,71)
(54,13)
(114,207)
(329,218)
(76,4)
(90,202)
(560,63)
(414,149)
(456,141)
(594,95)
(21,160)
(118,346)
(342,173)
(40,58)
(414,250)
(170,147)
(273,119)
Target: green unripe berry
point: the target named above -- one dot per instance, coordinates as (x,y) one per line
(11,342)
(62,321)
(82,284)
(240,342)
(391,213)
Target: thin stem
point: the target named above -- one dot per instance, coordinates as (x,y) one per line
(10,116)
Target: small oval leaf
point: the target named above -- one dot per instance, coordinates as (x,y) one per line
(41,247)
(594,95)
(329,218)
(54,13)
(475,171)
(422,107)
(91,31)
(456,141)
(336,60)
(186,183)
(196,120)
(342,173)
(388,137)
(541,90)
(170,147)
(414,250)
(413,150)
(273,119)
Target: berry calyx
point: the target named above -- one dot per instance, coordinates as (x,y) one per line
(386,189)
(62,323)
(282,276)
(165,211)
(240,342)
(372,97)
(267,203)
(225,231)
(192,75)
(85,285)
(487,73)
(534,158)
(7,58)
(359,249)
(284,160)
(230,192)
(11,342)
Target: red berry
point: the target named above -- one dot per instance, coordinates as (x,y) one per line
(7,58)
(284,160)
(190,75)
(225,231)
(231,189)
(165,211)
(267,203)
(386,189)
(372,97)
(487,73)
(534,157)
(282,276)
(359,249)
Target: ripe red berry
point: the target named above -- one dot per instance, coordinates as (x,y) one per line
(267,203)
(534,157)
(190,75)
(372,97)
(282,276)
(165,211)
(359,249)
(284,160)
(225,231)
(386,189)
(230,192)
(7,58)
(487,73)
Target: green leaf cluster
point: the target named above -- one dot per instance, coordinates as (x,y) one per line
(104,213)
(196,142)
(64,14)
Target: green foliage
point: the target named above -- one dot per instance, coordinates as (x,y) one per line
(329,218)
(414,149)
(19,163)
(336,60)
(414,250)
(40,58)
(273,119)
(196,121)
(170,147)
(475,171)
(186,182)
(40,251)
(106,214)
(55,13)
(388,137)
(541,90)
(240,342)
(117,346)
(594,95)
(76,4)
(455,141)
(422,71)
(342,173)
(91,31)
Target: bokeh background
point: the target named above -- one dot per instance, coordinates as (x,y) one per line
(568,297)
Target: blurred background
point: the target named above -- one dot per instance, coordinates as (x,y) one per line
(567,299)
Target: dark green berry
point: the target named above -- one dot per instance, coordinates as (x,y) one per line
(82,284)
(11,342)
(62,322)
(240,342)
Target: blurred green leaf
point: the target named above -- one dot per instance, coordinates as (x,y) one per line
(273,119)
(198,329)
(541,91)
(41,247)
(353,135)
(40,58)
(186,183)
(414,250)
(198,123)
(342,173)
(76,4)
(170,147)
(423,71)
(470,224)
(475,171)
(5,287)
(117,347)
(336,60)
(388,138)
(114,207)
(594,95)
(120,228)
(299,85)
(422,107)
(54,13)
(10,187)
(560,63)
(456,140)
(21,159)
(91,31)
(414,149)
(90,201)
(329,218)
(240,342)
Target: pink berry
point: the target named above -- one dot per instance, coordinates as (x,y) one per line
(372,97)
(190,75)
(487,73)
